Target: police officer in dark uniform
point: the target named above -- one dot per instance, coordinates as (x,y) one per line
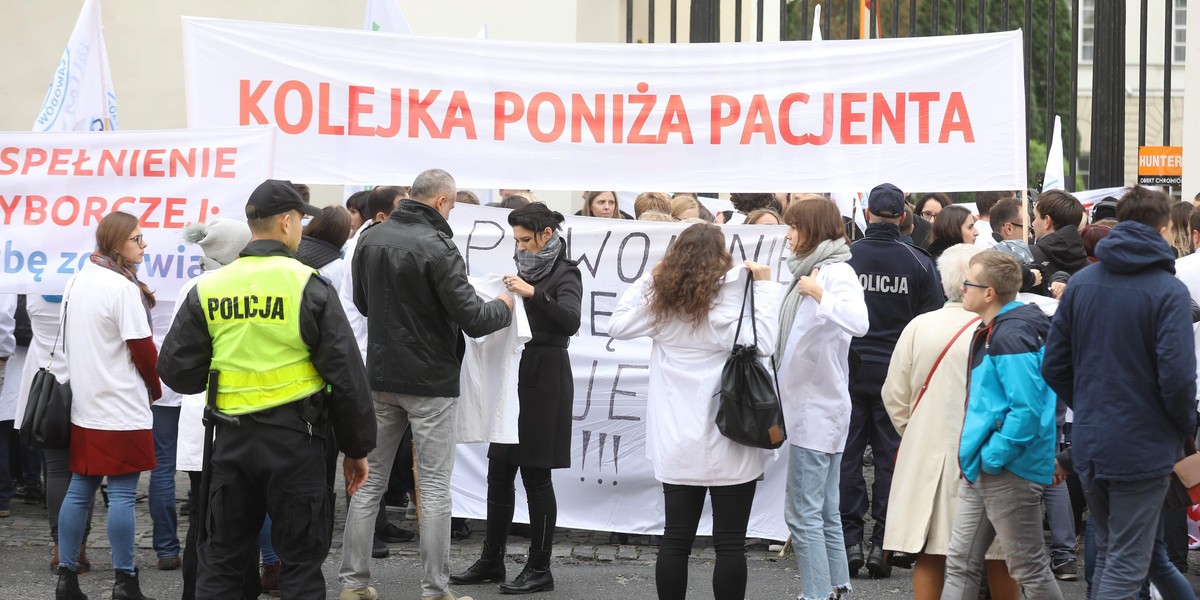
(291,372)
(900,282)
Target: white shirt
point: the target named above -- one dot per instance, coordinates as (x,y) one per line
(11,379)
(358,321)
(43,316)
(984,239)
(335,273)
(163,314)
(682,440)
(1187,269)
(488,405)
(189,451)
(814,374)
(103,310)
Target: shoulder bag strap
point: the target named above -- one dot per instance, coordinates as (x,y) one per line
(937,362)
(61,328)
(746,295)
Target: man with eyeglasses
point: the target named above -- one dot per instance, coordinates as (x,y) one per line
(1006,451)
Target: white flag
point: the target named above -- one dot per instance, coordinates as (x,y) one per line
(816,34)
(482,35)
(1054,178)
(385,16)
(81,96)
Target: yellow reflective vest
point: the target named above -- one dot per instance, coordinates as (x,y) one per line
(252,308)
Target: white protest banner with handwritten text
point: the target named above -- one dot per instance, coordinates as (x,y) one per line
(56,187)
(358,107)
(610,485)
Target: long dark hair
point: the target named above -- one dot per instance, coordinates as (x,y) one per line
(111,234)
(332,225)
(687,279)
(535,217)
(948,225)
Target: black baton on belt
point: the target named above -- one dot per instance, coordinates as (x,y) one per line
(212,416)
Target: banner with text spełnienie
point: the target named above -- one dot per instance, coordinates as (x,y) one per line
(930,114)
(56,187)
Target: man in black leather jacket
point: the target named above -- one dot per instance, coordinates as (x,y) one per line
(411,283)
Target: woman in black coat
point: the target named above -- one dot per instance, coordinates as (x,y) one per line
(552,288)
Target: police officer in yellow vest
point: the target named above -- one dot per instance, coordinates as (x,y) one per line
(290,370)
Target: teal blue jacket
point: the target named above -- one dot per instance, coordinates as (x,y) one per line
(1009,422)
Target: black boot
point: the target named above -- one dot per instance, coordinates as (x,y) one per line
(125,587)
(535,577)
(488,569)
(68,586)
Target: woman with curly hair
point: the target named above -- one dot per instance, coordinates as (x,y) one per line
(689,306)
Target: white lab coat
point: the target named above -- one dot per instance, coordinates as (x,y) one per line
(682,440)
(813,371)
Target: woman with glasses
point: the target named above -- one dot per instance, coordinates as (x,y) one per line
(111,358)
(930,206)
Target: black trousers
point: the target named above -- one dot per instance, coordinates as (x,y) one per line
(501,502)
(731,514)
(262,469)
(869,423)
(251,586)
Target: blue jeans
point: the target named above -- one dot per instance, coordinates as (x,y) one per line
(73,516)
(814,518)
(1062,522)
(162,481)
(265,548)
(1125,516)
(1165,576)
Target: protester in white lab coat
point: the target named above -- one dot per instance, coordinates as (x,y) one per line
(221,240)
(689,306)
(822,309)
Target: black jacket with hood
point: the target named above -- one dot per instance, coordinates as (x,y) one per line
(411,283)
(1058,255)
(1121,353)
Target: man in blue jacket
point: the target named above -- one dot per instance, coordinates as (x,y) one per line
(1006,453)
(1121,354)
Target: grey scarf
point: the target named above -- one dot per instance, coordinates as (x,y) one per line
(533,266)
(827,252)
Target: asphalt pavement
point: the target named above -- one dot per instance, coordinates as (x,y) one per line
(585,565)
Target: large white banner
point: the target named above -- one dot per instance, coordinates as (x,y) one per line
(56,187)
(931,114)
(610,485)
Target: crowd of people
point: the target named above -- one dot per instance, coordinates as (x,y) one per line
(994,362)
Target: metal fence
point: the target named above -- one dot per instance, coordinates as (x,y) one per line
(1045,19)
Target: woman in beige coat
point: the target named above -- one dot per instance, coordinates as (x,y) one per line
(924,489)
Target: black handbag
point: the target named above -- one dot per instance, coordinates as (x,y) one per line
(47,420)
(749,411)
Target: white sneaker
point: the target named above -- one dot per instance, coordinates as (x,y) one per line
(410,514)
(448,596)
(364,593)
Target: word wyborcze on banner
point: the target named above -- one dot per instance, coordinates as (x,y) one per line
(358,107)
(610,485)
(56,187)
